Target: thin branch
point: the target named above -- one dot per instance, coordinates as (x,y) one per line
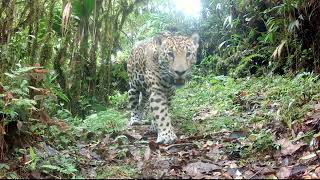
(130,39)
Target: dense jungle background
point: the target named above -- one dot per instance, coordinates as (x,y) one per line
(252,109)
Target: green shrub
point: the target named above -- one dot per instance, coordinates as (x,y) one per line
(118,100)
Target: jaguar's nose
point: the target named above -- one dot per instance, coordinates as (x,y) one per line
(180,73)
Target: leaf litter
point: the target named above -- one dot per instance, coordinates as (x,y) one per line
(200,157)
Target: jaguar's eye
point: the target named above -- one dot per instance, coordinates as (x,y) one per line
(188,54)
(171,54)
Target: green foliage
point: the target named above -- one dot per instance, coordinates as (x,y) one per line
(120,76)
(263,27)
(18,86)
(264,142)
(123,172)
(5,172)
(240,64)
(34,159)
(118,100)
(109,121)
(60,165)
(17,101)
(209,65)
(49,83)
(260,143)
(82,8)
(248,65)
(57,164)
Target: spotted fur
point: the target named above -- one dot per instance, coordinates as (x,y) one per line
(156,67)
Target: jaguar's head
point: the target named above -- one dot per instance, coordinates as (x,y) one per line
(178,54)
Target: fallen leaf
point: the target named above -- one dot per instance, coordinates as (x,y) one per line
(315,142)
(2,131)
(135,152)
(140,165)
(317,107)
(309,157)
(237,134)
(194,169)
(133,136)
(106,140)
(153,145)
(50,150)
(248,174)
(92,172)
(35,175)
(1,89)
(7,98)
(314,176)
(271,176)
(267,170)
(147,154)
(284,172)
(242,93)
(19,125)
(252,137)
(214,153)
(313,119)
(287,148)
(40,71)
(204,114)
(85,152)
(208,143)
(173,172)
(317,171)
(306,177)
(226,176)
(298,170)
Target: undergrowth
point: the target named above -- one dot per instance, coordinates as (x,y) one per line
(249,104)
(206,105)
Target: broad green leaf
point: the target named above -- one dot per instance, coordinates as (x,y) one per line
(10,75)
(52,167)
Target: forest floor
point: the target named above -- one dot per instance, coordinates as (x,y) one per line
(227,128)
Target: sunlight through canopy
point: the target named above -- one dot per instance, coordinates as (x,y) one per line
(189,8)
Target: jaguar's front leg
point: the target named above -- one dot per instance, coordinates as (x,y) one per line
(133,94)
(171,94)
(159,107)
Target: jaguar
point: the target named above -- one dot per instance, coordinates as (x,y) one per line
(156,67)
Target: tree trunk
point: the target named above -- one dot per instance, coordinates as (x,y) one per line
(80,64)
(47,48)
(92,66)
(59,61)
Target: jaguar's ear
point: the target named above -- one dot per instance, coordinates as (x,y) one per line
(195,37)
(158,39)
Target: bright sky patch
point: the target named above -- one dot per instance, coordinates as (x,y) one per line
(190,8)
